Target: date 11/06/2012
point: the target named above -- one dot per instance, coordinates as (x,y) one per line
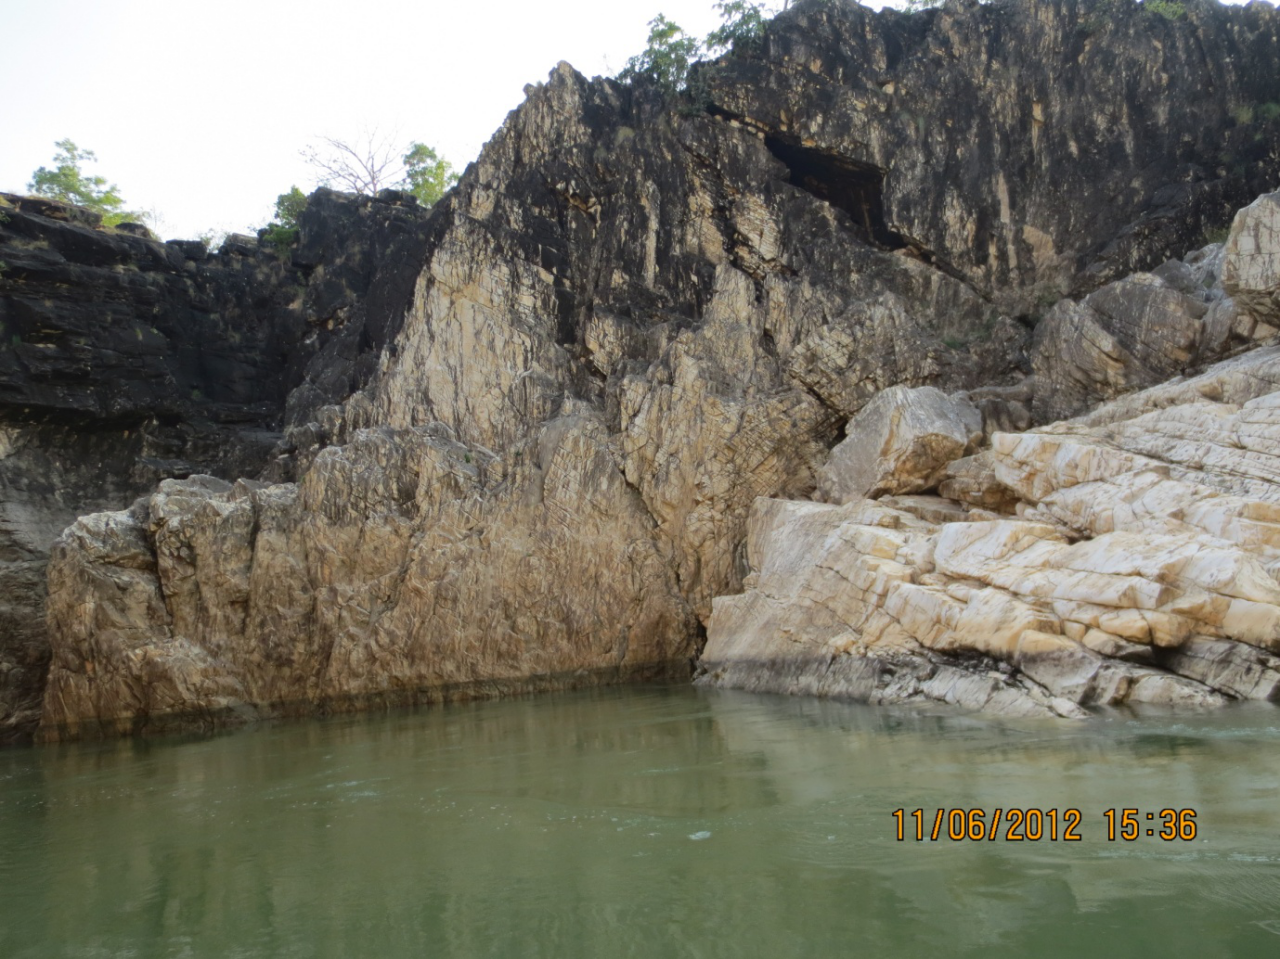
(1033,825)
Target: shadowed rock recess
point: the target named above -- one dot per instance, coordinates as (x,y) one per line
(548,440)
(125,361)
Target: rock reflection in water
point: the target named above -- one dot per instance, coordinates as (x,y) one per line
(564,826)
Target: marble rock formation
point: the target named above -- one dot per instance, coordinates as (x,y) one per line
(900,442)
(637,314)
(1128,557)
(125,361)
(1251,265)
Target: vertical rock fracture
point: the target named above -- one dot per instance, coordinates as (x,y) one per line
(523,451)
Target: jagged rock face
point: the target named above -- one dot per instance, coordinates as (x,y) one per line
(1130,334)
(1136,562)
(1251,267)
(633,318)
(1146,328)
(993,137)
(360,257)
(660,269)
(1170,598)
(402,569)
(124,360)
(116,327)
(1126,557)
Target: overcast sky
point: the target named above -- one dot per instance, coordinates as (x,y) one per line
(197,110)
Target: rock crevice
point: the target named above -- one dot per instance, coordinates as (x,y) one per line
(525,442)
(1129,557)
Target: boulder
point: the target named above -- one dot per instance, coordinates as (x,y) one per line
(1251,262)
(901,442)
(1128,335)
(135,229)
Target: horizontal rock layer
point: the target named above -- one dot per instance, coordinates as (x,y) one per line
(1138,565)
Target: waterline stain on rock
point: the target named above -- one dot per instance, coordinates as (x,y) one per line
(534,446)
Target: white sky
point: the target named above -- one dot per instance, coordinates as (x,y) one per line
(197,110)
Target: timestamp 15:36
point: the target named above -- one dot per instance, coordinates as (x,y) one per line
(1017,824)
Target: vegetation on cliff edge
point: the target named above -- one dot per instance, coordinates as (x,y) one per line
(68,182)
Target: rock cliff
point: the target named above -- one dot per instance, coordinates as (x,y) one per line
(1126,557)
(637,315)
(124,361)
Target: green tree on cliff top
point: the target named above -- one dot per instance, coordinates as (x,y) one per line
(68,182)
(427,175)
(283,230)
(742,26)
(363,168)
(667,56)
(670,52)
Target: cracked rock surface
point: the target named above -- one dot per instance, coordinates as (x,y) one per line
(1128,557)
(125,361)
(635,316)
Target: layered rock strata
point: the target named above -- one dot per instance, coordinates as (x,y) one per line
(635,316)
(1128,557)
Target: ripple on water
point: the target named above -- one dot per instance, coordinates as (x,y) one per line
(562,826)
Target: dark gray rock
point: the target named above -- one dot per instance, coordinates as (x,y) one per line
(362,257)
(125,361)
(724,277)
(1049,145)
(135,229)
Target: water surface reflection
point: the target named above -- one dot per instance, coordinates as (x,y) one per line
(577,825)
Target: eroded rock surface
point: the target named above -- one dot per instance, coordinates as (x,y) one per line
(1136,563)
(405,567)
(992,138)
(634,317)
(124,360)
(901,442)
(1251,264)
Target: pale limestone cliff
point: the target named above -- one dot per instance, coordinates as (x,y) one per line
(1128,557)
(636,316)
(405,567)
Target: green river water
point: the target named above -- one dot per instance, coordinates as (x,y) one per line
(641,822)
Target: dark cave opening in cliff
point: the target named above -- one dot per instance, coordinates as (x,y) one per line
(857,188)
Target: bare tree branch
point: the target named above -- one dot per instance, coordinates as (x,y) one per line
(364,166)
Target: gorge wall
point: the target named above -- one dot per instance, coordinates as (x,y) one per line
(531,459)
(125,361)
(1126,557)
